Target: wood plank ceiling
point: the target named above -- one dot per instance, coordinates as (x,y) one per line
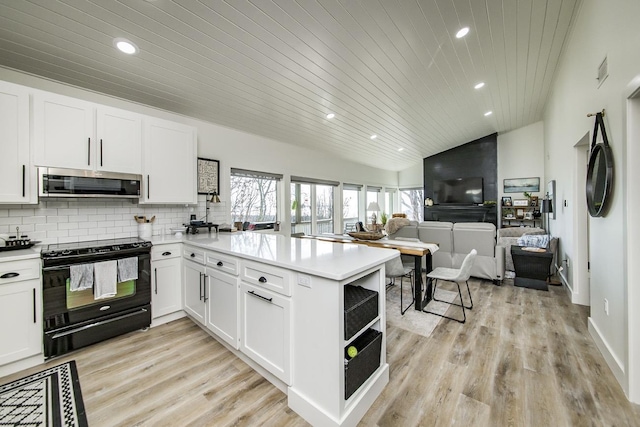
(275,68)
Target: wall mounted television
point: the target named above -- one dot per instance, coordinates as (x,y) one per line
(458,191)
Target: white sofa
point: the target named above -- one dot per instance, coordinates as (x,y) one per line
(456,241)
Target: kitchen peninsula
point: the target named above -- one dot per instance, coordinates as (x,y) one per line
(279,304)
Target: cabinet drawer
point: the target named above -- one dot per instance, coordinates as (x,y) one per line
(273,278)
(193,254)
(172,250)
(221,262)
(16,271)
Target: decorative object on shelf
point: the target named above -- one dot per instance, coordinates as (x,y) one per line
(533,201)
(373,207)
(506,201)
(599,170)
(528,215)
(366,235)
(208,176)
(521,202)
(520,213)
(519,185)
(428,201)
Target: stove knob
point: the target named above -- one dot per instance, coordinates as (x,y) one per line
(135,245)
(66,252)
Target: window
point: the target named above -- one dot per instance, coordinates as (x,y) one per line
(389,197)
(351,203)
(312,207)
(411,200)
(254,196)
(373,195)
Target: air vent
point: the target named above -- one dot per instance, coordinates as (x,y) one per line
(603,71)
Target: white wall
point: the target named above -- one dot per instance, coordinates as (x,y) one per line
(601,29)
(521,155)
(412,177)
(231,147)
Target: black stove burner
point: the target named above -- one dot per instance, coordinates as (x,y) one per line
(93,247)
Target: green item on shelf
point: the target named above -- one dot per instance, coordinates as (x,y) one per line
(352,351)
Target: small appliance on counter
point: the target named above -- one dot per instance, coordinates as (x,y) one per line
(16,242)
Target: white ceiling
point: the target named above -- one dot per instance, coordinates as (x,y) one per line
(276,67)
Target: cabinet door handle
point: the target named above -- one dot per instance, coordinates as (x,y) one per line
(101,152)
(9,275)
(34,305)
(262,279)
(200,285)
(148,192)
(89,151)
(166,253)
(259,296)
(155,271)
(24,168)
(219,264)
(205,288)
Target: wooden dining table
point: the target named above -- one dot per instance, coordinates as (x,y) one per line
(415,249)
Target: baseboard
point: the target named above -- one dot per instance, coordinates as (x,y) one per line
(615,364)
(168,318)
(20,365)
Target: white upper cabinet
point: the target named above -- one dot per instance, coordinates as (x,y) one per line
(63,131)
(17,179)
(169,153)
(75,134)
(119,140)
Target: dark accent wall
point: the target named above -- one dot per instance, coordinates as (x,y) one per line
(477,158)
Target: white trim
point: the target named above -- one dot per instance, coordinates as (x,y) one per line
(615,364)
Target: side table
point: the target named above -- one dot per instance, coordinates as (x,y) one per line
(532,268)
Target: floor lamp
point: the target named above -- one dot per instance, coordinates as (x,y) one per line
(546,209)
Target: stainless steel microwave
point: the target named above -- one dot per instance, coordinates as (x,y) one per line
(57,182)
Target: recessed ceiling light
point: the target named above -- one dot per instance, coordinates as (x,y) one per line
(330,116)
(479,85)
(401,149)
(488,113)
(374,136)
(126,46)
(463,32)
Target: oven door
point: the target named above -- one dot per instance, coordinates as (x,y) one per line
(63,307)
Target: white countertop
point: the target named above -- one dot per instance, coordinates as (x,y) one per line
(336,261)
(20,254)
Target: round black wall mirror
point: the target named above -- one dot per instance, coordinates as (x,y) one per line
(599,179)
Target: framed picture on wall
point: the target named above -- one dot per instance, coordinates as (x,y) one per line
(520,185)
(208,176)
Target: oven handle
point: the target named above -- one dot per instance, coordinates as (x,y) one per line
(102,322)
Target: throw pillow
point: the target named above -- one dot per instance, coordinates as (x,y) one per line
(535,240)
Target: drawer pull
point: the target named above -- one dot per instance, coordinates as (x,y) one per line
(166,253)
(260,296)
(9,275)
(219,264)
(262,279)
(192,255)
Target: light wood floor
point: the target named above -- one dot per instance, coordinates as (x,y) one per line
(524,358)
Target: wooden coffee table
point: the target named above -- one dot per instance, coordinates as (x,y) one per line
(532,268)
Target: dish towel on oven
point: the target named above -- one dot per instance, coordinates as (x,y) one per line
(81,277)
(105,279)
(128,269)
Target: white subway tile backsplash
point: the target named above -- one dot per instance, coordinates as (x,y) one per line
(66,221)
(34,219)
(68,211)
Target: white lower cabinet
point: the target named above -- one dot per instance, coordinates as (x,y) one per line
(166,292)
(266,329)
(193,290)
(222,306)
(20,310)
